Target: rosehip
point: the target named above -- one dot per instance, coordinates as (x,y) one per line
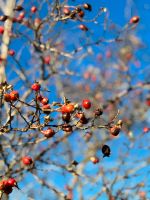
(87,6)
(36,87)
(44,101)
(115,130)
(11,52)
(81,14)
(86,103)
(148,101)
(33,9)
(69,108)
(7,97)
(39,97)
(27,160)
(21,15)
(94,159)
(37,22)
(1,29)
(66,11)
(134,19)
(83,27)
(14,95)
(66,117)
(48,133)
(47,59)
(67,128)
(46,109)
(12,182)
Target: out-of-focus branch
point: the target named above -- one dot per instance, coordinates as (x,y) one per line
(8,11)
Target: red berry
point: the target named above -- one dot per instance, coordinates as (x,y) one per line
(33,9)
(2,184)
(108,54)
(94,159)
(66,11)
(146,129)
(115,130)
(83,27)
(86,103)
(67,128)
(5,187)
(12,182)
(7,97)
(14,95)
(134,19)
(37,22)
(45,107)
(148,101)
(1,29)
(81,14)
(87,6)
(11,52)
(39,97)
(21,15)
(47,59)
(48,133)
(27,160)
(36,86)
(69,108)
(44,101)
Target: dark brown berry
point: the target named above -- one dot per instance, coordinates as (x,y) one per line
(106,151)
(66,117)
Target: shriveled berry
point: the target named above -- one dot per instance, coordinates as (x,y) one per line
(66,117)
(67,128)
(106,151)
(3,18)
(148,101)
(146,129)
(98,112)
